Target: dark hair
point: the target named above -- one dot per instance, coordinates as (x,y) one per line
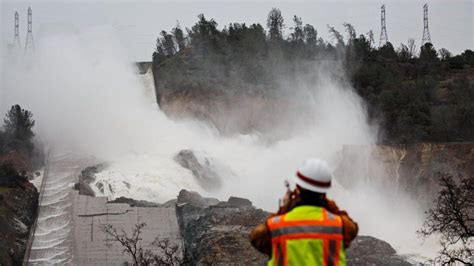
(307,197)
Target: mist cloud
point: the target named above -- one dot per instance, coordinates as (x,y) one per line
(86,99)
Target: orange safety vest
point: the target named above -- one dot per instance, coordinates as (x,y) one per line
(307,235)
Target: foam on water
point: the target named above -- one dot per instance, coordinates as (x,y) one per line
(52,241)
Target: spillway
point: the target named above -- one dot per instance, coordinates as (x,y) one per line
(53,236)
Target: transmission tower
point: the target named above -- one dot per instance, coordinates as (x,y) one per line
(383,32)
(16,39)
(30,44)
(426,31)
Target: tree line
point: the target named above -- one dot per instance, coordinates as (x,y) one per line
(17,150)
(416,94)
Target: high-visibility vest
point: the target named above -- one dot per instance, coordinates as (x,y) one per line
(307,235)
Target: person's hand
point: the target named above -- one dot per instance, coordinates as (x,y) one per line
(286,198)
(289,201)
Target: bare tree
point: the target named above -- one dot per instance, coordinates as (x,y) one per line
(169,254)
(453,218)
(444,54)
(351,33)
(411,47)
(370,37)
(131,244)
(336,35)
(166,253)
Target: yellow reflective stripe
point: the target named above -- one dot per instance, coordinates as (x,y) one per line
(306,229)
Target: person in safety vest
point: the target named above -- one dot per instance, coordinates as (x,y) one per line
(309,228)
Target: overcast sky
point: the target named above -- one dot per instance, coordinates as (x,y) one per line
(139,22)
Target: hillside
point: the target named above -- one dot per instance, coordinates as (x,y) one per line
(425,96)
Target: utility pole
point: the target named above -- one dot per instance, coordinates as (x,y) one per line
(383,32)
(30,44)
(16,39)
(426,31)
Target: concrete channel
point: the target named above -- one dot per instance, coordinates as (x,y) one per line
(69,226)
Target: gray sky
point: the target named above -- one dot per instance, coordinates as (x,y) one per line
(139,22)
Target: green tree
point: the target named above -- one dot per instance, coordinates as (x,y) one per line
(168,43)
(275,25)
(387,51)
(428,53)
(205,36)
(297,36)
(403,53)
(179,37)
(311,35)
(19,123)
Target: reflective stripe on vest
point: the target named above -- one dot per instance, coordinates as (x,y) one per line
(306,229)
(307,234)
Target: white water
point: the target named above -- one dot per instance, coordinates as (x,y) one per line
(86,98)
(52,241)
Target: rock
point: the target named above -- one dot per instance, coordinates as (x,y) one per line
(411,168)
(239,202)
(86,178)
(84,189)
(203,168)
(217,234)
(368,250)
(135,203)
(170,203)
(195,199)
(9,177)
(18,210)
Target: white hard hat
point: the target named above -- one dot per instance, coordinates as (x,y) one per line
(314,175)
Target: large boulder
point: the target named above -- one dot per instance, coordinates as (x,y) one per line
(86,178)
(217,234)
(368,250)
(208,171)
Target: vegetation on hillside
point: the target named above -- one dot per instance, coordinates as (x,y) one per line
(18,197)
(416,96)
(17,150)
(17,134)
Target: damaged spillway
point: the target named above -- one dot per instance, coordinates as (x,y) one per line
(52,239)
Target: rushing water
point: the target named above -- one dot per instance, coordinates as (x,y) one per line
(52,240)
(86,98)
